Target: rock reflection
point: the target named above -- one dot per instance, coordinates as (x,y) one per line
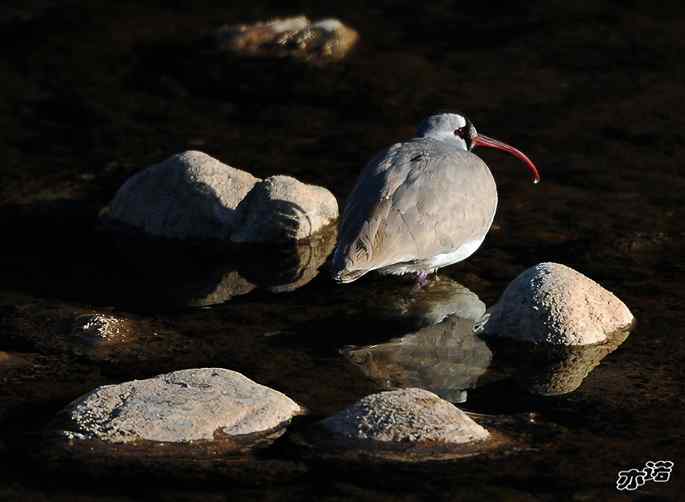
(420,307)
(446,358)
(286,269)
(451,356)
(553,370)
(165,277)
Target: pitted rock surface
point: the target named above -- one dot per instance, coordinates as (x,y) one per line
(188,196)
(554,304)
(406,415)
(179,407)
(283,209)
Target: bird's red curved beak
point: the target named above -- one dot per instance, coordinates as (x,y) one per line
(481,140)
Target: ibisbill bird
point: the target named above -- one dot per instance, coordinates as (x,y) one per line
(421,204)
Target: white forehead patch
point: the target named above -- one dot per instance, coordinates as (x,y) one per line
(456,120)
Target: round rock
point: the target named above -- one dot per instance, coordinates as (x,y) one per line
(188,196)
(554,304)
(405,416)
(283,209)
(180,407)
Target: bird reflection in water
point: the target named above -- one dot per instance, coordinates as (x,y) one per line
(449,358)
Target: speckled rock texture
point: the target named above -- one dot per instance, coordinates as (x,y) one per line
(179,407)
(188,196)
(282,209)
(554,304)
(102,329)
(320,41)
(405,416)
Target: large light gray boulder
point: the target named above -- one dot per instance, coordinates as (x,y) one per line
(405,416)
(179,407)
(554,304)
(282,209)
(188,196)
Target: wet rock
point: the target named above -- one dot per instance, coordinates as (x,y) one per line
(188,196)
(185,406)
(283,209)
(101,329)
(405,416)
(12,361)
(447,359)
(323,40)
(553,304)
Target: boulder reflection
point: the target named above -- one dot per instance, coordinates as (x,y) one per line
(449,358)
(552,370)
(164,276)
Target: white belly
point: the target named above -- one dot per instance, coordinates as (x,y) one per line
(438,261)
(459,254)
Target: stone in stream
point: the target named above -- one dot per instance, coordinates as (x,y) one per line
(183,407)
(102,329)
(283,209)
(406,416)
(554,304)
(188,196)
(320,41)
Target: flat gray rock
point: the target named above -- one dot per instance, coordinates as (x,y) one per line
(405,416)
(188,196)
(179,407)
(554,304)
(283,209)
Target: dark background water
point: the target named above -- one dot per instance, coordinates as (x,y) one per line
(592,91)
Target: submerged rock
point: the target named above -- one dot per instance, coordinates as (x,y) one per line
(447,359)
(186,406)
(405,416)
(283,209)
(553,304)
(101,329)
(323,40)
(188,196)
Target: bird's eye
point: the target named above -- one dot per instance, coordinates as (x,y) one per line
(461,132)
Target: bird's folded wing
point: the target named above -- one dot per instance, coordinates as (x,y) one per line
(414,201)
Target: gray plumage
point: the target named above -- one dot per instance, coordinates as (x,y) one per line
(417,206)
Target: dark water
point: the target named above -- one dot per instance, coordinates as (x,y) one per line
(591,91)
